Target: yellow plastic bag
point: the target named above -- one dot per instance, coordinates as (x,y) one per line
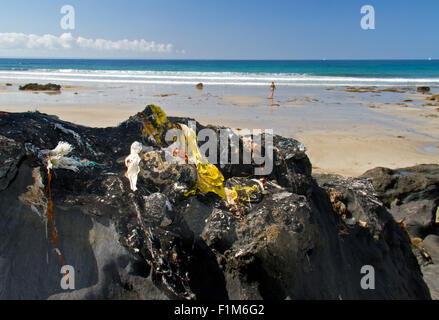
(210,179)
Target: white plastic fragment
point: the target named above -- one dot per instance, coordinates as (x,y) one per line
(78,138)
(169,205)
(261,185)
(62,149)
(132,163)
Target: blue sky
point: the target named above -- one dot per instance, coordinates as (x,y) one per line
(214,29)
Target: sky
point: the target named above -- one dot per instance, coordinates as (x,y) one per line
(220,29)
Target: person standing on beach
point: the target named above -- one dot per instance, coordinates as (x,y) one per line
(273,87)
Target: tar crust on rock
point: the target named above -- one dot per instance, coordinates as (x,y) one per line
(135,226)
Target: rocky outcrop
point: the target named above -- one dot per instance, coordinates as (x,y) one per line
(40,87)
(412,197)
(411,194)
(283,240)
(423,89)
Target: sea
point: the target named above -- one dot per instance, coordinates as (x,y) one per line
(225,72)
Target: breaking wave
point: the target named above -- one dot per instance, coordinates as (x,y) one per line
(208,78)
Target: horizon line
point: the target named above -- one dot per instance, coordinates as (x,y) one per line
(216,59)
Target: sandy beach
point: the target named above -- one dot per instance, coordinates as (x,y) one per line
(345,132)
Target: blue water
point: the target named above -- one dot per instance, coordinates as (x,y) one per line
(225,72)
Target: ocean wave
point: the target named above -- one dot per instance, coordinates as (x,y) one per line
(208,78)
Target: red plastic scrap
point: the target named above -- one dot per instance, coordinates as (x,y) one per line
(180,153)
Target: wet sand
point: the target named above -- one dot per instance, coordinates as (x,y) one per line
(352,152)
(242,100)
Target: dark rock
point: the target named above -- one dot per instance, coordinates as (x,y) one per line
(219,230)
(40,87)
(248,191)
(431,271)
(292,168)
(414,193)
(157,242)
(11,154)
(157,175)
(199,86)
(434,97)
(366,214)
(431,244)
(423,90)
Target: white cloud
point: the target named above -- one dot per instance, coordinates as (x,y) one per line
(17,41)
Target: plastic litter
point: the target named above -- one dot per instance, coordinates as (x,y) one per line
(261,184)
(40,202)
(245,190)
(210,179)
(85,163)
(185,149)
(57,158)
(132,163)
(77,138)
(274,185)
(71,132)
(35,197)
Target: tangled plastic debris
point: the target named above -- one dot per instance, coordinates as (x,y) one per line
(57,158)
(35,196)
(85,163)
(40,200)
(42,204)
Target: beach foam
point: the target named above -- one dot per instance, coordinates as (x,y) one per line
(208,78)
